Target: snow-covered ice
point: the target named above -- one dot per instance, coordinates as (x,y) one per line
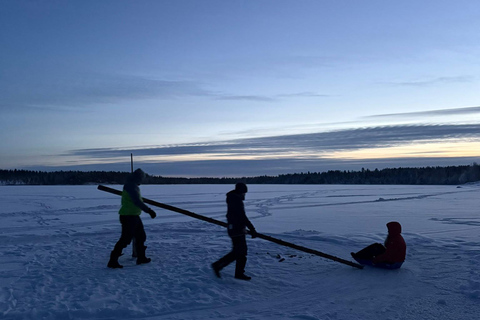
(55,243)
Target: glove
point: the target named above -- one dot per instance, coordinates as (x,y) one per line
(253,233)
(151,213)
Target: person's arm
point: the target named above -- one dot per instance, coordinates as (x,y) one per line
(134,193)
(395,246)
(247,222)
(384,257)
(253,231)
(237,217)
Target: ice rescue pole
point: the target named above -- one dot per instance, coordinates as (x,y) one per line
(224,224)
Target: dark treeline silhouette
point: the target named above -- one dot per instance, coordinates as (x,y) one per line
(414,176)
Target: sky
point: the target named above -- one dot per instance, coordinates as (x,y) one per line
(238,88)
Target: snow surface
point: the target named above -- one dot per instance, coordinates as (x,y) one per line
(56,240)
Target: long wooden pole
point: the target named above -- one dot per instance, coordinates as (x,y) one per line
(224,224)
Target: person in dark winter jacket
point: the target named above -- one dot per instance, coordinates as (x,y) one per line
(132,226)
(237,224)
(390,255)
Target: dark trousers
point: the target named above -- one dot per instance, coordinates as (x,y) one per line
(371,251)
(132,227)
(238,254)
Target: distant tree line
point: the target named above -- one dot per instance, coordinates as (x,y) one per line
(414,176)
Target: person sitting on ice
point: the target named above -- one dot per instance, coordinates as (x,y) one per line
(391,255)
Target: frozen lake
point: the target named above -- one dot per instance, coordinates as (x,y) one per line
(56,241)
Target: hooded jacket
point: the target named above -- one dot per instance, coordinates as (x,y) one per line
(236,217)
(132,203)
(395,245)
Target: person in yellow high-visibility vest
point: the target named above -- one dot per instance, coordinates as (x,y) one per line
(132,226)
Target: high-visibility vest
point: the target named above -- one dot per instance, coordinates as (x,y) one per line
(128,207)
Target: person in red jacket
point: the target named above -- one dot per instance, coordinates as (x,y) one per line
(390,255)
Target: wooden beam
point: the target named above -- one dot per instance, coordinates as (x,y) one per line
(225,225)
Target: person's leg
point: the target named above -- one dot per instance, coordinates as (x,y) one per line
(134,249)
(229,257)
(240,251)
(371,251)
(128,227)
(140,237)
(223,262)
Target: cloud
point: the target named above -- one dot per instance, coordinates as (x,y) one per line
(306,94)
(168,150)
(262,98)
(284,154)
(441,112)
(436,81)
(45,89)
(246,98)
(79,90)
(320,142)
(272,167)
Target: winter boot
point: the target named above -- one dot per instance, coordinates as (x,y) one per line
(141,259)
(242,277)
(240,266)
(113,262)
(216,269)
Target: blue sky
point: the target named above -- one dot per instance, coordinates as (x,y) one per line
(238,88)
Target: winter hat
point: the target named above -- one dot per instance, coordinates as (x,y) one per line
(241,187)
(394,227)
(138,175)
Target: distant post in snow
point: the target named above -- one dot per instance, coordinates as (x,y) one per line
(131,162)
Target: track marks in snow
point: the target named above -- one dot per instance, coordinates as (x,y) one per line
(59,271)
(470,221)
(267,206)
